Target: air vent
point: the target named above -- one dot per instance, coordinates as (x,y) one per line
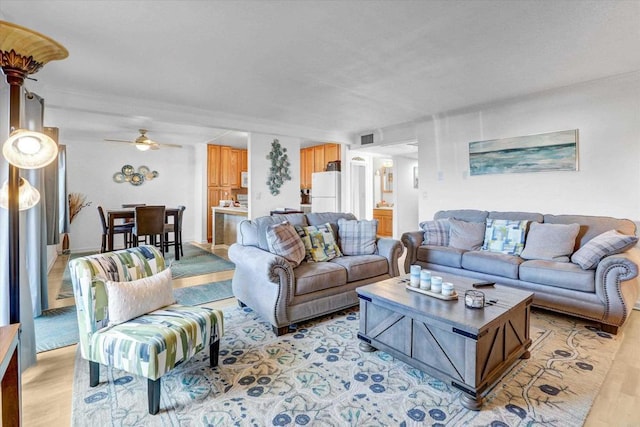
(366,139)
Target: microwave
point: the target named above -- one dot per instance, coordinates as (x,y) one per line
(244,179)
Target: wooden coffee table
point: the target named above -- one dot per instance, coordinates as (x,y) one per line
(467,348)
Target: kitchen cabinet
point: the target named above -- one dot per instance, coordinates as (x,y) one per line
(385,222)
(234,168)
(224,168)
(318,158)
(331,153)
(315,159)
(213,165)
(306,167)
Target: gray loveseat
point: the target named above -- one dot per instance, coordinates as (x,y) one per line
(284,295)
(605,293)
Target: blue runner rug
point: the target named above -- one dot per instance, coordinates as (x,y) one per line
(196,261)
(58,327)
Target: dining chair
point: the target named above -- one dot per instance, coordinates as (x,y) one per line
(124,229)
(176,229)
(133,205)
(149,222)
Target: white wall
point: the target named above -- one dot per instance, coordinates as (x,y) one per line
(405,212)
(261,202)
(607,114)
(90,171)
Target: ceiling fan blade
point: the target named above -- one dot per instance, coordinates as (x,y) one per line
(119,140)
(169,145)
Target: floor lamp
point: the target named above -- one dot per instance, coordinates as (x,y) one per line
(22,52)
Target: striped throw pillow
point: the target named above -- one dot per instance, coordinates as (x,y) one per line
(608,243)
(357,237)
(436,232)
(283,240)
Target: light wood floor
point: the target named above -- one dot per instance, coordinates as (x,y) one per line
(47,387)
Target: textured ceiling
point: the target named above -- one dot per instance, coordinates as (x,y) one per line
(320,66)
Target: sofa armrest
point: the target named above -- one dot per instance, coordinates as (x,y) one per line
(391,249)
(412,240)
(262,280)
(617,285)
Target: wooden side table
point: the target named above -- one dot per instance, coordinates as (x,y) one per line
(10,374)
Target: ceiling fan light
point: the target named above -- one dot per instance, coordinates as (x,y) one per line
(28,195)
(29,150)
(142,147)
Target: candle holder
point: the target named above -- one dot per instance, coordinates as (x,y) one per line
(474,299)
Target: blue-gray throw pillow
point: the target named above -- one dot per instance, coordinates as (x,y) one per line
(551,242)
(436,232)
(357,237)
(466,235)
(608,243)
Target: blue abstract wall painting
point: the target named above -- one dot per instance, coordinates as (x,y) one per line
(553,151)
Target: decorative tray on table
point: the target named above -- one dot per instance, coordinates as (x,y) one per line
(433,294)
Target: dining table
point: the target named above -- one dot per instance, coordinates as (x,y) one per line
(129,214)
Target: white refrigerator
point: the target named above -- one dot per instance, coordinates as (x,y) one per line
(325,192)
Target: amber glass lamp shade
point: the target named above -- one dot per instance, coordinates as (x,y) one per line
(29,150)
(28,196)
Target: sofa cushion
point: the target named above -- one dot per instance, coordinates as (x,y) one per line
(361,267)
(131,299)
(357,237)
(441,255)
(316,276)
(470,215)
(517,216)
(436,232)
(494,263)
(319,242)
(559,274)
(552,242)
(592,226)
(505,236)
(608,243)
(466,235)
(283,240)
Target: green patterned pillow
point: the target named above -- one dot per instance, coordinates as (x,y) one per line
(318,242)
(505,236)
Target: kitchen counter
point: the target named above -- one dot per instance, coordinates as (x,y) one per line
(224,224)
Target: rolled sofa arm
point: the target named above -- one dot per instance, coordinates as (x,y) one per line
(617,285)
(263,281)
(412,240)
(391,249)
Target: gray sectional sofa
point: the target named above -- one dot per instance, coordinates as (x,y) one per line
(284,295)
(605,293)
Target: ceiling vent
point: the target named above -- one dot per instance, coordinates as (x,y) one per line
(366,139)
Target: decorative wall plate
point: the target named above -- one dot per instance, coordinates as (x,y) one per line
(143,170)
(119,177)
(128,170)
(137,179)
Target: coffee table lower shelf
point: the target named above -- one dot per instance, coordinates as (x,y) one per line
(471,358)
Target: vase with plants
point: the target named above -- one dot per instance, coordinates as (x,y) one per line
(77,201)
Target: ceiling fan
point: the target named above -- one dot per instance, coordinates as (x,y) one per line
(144,143)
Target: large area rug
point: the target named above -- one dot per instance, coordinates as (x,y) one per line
(318,376)
(196,261)
(58,327)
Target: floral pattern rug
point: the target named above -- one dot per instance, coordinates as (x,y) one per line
(318,376)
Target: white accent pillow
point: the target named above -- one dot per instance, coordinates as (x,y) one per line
(128,300)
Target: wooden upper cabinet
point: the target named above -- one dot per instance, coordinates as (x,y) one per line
(244,160)
(318,158)
(331,152)
(306,167)
(225,166)
(213,165)
(234,168)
